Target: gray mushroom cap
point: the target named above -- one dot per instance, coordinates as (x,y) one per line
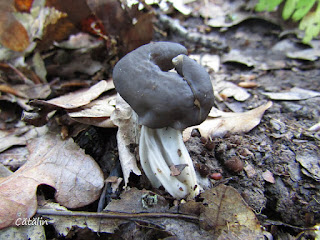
(160,98)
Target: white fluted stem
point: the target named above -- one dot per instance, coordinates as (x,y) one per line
(161,148)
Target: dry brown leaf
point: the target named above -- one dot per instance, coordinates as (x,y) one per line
(124,117)
(250,171)
(96,113)
(81,97)
(268,176)
(12,34)
(229,122)
(140,33)
(102,107)
(23,5)
(76,177)
(226,211)
(175,170)
(132,27)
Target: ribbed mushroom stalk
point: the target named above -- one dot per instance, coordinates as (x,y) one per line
(166,103)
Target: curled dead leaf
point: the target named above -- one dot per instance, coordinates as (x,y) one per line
(225,211)
(96,113)
(228,122)
(76,177)
(101,107)
(124,117)
(81,97)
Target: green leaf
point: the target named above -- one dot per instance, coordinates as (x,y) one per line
(303,7)
(267,5)
(289,8)
(311,25)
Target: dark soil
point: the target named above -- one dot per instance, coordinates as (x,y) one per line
(274,144)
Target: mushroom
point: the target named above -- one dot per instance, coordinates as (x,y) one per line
(166,102)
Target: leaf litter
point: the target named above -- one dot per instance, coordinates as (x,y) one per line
(61,164)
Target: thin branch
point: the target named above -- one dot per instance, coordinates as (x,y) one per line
(117,215)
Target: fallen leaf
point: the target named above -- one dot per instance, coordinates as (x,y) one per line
(180,6)
(293,94)
(250,171)
(96,113)
(103,122)
(228,122)
(237,56)
(81,97)
(76,177)
(307,54)
(310,162)
(23,5)
(139,33)
(132,27)
(256,60)
(208,60)
(12,33)
(268,176)
(223,15)
(102,107)
(230,89)
(225,211)
(39,67)
(126,120)
(315,128)
(175,170)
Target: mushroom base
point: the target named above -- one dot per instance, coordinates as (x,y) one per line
(161,148)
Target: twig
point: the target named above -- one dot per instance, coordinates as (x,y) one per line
(20,74)
(207,41)
(117,215)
